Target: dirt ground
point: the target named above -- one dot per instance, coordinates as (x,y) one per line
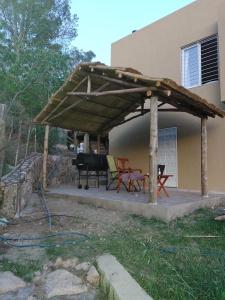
(73,217)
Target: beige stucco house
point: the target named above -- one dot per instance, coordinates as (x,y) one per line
(187,46)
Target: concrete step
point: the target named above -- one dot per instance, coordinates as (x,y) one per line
(117,282)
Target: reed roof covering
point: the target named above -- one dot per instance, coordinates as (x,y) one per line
(95,98)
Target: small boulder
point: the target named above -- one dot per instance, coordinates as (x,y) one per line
(58,262)
(9,282)
(93,276)
(31,298)
(38,273)
(85,266)
(63,283)
(45,267)
(70,263)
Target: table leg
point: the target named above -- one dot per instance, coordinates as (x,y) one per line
(162,182)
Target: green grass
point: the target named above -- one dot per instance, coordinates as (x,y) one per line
(166,264)
(25,271)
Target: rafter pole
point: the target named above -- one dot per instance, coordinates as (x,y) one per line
(134,117)
(113,92)
(204,166)
(153,150)
(116,81)
(64,99)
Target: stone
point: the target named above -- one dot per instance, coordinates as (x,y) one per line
(85,266)
(37,279)
(70,263)
(91,295)
(20,294)
(38,273)
(63,283)
(93,276)
(45,267)
(58,262)
(9,282)
(31,298)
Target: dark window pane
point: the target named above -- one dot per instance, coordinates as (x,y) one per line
(209,60)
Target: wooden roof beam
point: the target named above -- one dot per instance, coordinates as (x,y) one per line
(123,114)
(161,110)
(116,81)
(183,106)
(113,92)
(65,98)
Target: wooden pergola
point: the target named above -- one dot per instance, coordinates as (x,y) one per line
(96,98)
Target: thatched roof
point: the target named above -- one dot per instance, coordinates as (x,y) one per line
(96,98)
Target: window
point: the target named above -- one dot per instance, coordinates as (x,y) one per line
(200,63)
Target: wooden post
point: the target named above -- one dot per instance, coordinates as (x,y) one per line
(2,137)
(204,167)
(75,141)
(89,84)
(98,144)
(153,150)
(86,143)
(18,143)
(28,140)
(45,157)
(107,144)
(35,140)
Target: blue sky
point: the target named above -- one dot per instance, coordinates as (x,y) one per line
(102,22)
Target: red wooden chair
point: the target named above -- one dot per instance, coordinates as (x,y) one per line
(132,178)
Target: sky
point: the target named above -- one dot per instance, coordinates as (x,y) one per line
(102,22)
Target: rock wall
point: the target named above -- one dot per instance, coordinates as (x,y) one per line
(60,169)
(17,186)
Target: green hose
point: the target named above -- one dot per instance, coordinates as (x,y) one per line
(9,240)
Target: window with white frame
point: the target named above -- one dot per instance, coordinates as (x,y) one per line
(200,62)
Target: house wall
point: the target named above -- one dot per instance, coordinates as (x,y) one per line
(156,51)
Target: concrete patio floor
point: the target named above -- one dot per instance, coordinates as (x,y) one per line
(179,203)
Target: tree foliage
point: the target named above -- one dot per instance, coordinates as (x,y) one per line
(36,53)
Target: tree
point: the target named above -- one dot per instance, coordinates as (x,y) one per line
(35,52)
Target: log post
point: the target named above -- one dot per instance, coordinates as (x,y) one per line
(204,166)
(98,144)
(35,140)
(45,157)
(28,140)
(107,144)
(153,150)
(75,141)
(18,143)
(86,136)
(2,137)
(86,143)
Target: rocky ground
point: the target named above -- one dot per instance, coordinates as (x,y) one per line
(67,278)
(53,278)
(62,279)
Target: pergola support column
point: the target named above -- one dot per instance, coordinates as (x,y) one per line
(98,144)
(75,141)
(2,137)
(153,150)
(86,143)
(45,158)
(204,165)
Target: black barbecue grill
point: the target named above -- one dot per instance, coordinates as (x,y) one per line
(91,165)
